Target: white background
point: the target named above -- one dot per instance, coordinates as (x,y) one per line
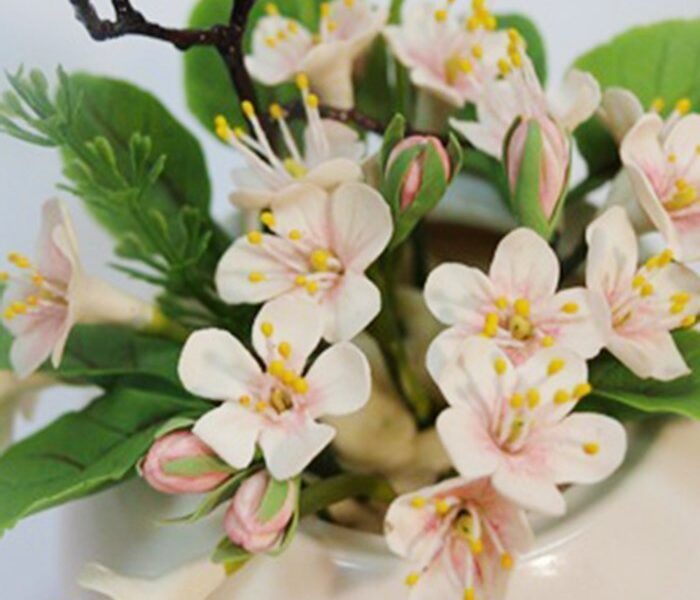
(43,34)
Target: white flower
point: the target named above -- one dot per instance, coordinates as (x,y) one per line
(512,424)
(639,307)
(321,248)
(664,169)
(516,305)
(331,156)
(278,407)
(18,395)
(283,48)
(461,539)
(448,57)
(45,300)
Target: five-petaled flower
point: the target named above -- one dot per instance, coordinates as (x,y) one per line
(44,300)
(664,168)
(283,48)
(332,153)
(516,305)
(512,424)
(275,407)
(638,308)
(450,58)
(461,538)
(320,249)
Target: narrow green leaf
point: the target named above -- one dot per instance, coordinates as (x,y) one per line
(319,496)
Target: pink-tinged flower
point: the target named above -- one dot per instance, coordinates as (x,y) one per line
(665,173)
(19,395)
(461,538)
(516,305)
(519,96)
(638,308)
(414,176)
(332,155)
(174,447)
(320,249)
(512,424)
(283,48)
(46,299)
(449,57)
(247,526)
(278,407)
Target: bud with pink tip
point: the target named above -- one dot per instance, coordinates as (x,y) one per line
(260,513)
(414,175)
(180,463)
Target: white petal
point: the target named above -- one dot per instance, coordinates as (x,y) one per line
(304,209)
(564,444)
(57,247)
(343,142)
(289,450)
(339,381)
(468,442)
(620,110)
(455,294)
(294,320)
(612,253)
(273,258)
(334,172)
(215,365)
(482,137)
(194,581)
(350,307)
(44,337)
(577,100)
(525,266)
(232,432)
(329,67)
(528,489)
(650,355)
(445,349)
(361,225)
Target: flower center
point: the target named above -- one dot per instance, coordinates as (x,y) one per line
(322,260)
(281,401)
(456,67)
(682,193)
(521,328)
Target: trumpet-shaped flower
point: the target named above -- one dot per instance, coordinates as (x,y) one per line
(450,58)
(638,308)
(512,424)
(516,304)
(664,168)
(283,48)
(44,300)
(331,156)
(461,538)
(320,249)
(275,408)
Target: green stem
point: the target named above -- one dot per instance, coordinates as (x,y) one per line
(328,492)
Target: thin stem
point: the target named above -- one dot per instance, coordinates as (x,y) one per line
(325,493)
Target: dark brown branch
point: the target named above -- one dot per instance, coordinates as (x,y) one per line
(232,51)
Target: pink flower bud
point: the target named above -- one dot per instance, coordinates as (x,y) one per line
(555,161)
(176,446)
(414,175)
(243,522)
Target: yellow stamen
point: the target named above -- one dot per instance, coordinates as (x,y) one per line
(418,502)
(555,366)
(470,594)
(442,507)
(591,448)
(312,101)
(325,10)
(666,257)
(548,341)
(500,365)
(285,349)
(477,51)
(582,390)
(9,314)
(504,66)
(256,277)
(516,59)
(562,397)
(300,280)
(32,300)
(412,579)
(244,400)
(516,401)
(295,168)
(638,281)
(319,259)
(267,218)
(19,260)
(19,308)
(302,81)
(522,307)
(4,276)
(476,546)
(502,303)
(684,106)
(300,385)
(248,109)
(261,406)
(647,290)
(267,329)
(271,9)
(658,105)
(288,377)
(689,321)
(533,398)
(295,235)
(276,111)
(506,561)
(570,308)
(312,287)
(441,15)
(254,237)
(276,368)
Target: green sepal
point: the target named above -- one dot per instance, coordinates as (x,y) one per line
(175,424)
(274,499)
(394,134)
(194,466)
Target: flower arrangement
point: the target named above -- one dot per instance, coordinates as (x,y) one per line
(323,354)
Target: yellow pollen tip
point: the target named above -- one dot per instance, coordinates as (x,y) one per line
(312,101)
(19,260)
(302,81)
(500,365)
(672,158)
(295,235)
(562,397)
(276,368)
(331,26)
(239,132)
(591,448)
(647,290)
(465,65)
(555,366)
(270,42)
(442,507)
(548,341)
(319,259)
(638,281)
(267,218)
(441,15)
(256,277)
(285,349)
(267,329)
(506,561)
(658,105)
(516,59)
(312,287)
(300,280)
(248,109)
(689,321)
(470,594)
(38,279)
(477,51)
(9,314)
(582,390)
(684,106)
(19,308)
(490,22)
(288,377)
(516,401)
(666,257)
(254,237)
(32,301)
(570,308)
(300,385)
(292,27)
(473,24)
(276,111)
(418,502)
(412,579)
(533,398)
(522,307)
(4,276)
(271,9)
(261,406)
(349,3)
(514,35)
(476,546)
(504,66)
(244,400)
(325,10)
(501,303)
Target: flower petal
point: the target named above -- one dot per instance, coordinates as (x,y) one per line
(232,432)
(295,321)
(350,307)
(576,101)
(334,172)
(525,266)
(288,450)
(620,110)
(650,355)
(343,142)
(216,366)
(523,483)
(445,350)
(57,248)
(44,336)
(339,381)
(468,441)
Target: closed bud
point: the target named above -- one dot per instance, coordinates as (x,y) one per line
(260,512)
(180,463)
(414,175)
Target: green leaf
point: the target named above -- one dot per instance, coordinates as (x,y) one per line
(614,383)
(536,49)
(229,553)
(656,61)
(371,83)
(195,466)
(85,452)
(322,494)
